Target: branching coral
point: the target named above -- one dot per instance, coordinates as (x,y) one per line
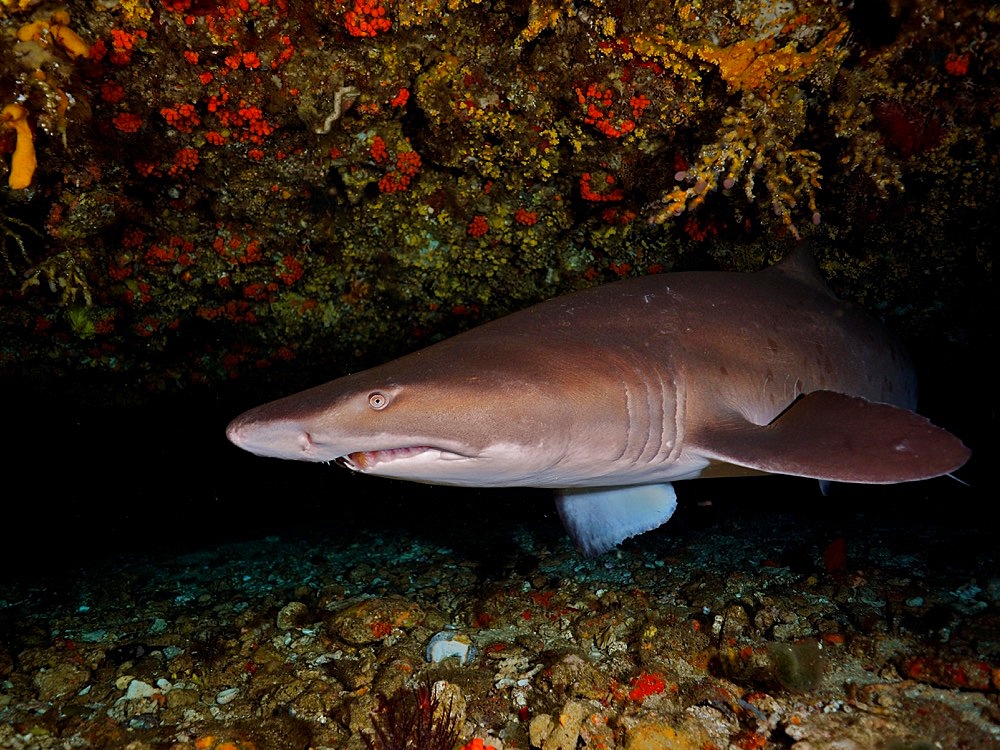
(752,142)
(414,720)
(13,231)
(65,276)
(758,136)
(544,15)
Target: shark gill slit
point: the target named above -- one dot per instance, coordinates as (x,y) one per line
(645,438)
(660,408)
(628,421)
(651,446)
(679,415)
(637,423)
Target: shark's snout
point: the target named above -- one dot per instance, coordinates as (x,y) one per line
(234,433)
(277,439)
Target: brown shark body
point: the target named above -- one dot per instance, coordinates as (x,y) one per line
(611,393)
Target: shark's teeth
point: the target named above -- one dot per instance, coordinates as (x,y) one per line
(364,460)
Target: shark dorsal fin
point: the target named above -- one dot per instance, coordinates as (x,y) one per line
(800,263)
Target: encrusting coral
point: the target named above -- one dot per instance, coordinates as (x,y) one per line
(23,161)
(273,171)
(57,28)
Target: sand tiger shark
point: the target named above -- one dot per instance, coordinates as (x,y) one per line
(611,393)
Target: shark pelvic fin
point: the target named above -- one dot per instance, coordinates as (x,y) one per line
(600,518)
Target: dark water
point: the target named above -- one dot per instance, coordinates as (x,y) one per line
(87,480)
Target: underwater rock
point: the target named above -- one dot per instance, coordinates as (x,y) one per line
(374,619)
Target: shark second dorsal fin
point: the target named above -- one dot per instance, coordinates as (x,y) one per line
(601,518)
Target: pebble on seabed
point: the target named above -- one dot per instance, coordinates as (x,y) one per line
(448,643)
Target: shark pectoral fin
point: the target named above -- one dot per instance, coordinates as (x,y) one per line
(833,437)
(599,518)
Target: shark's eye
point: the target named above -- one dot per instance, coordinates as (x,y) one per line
(378,400)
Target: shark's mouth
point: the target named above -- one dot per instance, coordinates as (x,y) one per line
(365,460)
(380,461)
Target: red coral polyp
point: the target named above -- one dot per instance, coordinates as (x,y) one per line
(367,18)
(127,122)
(645,685)
(478,226)
(590,192)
